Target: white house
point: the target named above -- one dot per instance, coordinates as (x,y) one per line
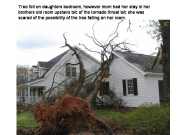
(133,80)
(57,70)
(131,77)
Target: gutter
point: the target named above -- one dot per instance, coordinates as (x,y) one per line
(153,74)
(33,81)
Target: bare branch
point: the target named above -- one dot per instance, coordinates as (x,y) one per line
(52,88)
(94,37)
(49,91)
(129,26)
(106,53)
(81,67)
(92,73)
(89,49)
(59,84)
(114,34)
(94,40)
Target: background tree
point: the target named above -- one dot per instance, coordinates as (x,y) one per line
(22,74)
(163,55)
(165,60)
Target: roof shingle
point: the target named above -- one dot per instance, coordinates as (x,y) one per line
(51,62)
(142,61)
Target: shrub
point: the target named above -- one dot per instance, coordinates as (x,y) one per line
(152,120)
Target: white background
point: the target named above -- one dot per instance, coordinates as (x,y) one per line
(160,9)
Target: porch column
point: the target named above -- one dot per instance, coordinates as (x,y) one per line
(28,101)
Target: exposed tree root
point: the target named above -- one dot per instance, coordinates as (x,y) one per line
(68,114)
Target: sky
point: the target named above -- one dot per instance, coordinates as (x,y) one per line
(41,41)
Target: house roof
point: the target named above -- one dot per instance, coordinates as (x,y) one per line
(141,61)
(49,64)
(54,60)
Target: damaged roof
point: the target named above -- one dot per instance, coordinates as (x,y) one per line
(142,61)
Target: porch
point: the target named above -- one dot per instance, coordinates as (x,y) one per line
(30,95)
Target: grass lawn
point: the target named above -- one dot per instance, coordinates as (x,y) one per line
(152,113)
(26,120)
(145,120)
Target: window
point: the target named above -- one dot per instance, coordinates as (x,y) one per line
(104,88)
(74,71)
(70,70)
(40,91)
(130,87)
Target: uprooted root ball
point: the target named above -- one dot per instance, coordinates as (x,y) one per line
(66,115)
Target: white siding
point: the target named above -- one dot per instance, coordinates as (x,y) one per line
(89,65)
(148,91)
(42,71)
(152,89)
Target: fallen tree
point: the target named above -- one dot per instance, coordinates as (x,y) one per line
(71,113)
(68,113)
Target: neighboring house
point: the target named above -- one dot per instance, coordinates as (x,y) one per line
(57,69)
(133,80)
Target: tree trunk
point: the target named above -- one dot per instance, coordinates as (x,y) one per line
(165,32)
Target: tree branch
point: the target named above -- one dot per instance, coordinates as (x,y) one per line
(89,49)
(81,67)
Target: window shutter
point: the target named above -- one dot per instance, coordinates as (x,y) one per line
(107,87)
(124,87)
(101,89)
(135,86)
